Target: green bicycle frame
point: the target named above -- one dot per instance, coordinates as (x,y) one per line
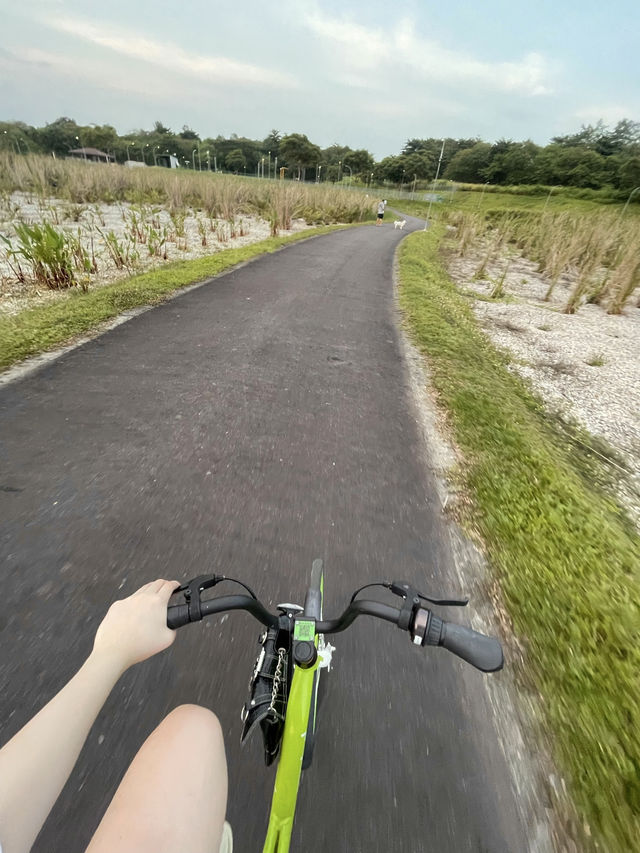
(285,792)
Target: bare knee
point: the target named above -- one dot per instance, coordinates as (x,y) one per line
(194,721)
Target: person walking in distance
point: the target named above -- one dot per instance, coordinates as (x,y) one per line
(381,207)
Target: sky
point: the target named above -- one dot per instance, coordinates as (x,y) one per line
(364,74)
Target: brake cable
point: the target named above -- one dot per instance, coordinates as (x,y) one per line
(404,589)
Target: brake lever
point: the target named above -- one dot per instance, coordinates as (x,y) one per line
(192,589)
(446,602)
(405,590)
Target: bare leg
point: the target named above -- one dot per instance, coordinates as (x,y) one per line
(174,793)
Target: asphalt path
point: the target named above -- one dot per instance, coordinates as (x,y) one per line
(247,427)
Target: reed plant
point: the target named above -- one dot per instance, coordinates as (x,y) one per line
(596,250)
(52,256)
(220,196)
(623,282)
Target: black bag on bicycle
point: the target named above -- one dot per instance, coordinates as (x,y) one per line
(269,691)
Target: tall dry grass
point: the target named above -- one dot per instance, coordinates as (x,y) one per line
(599,252)
(220,196)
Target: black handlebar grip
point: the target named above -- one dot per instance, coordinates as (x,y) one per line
(178,615)
(485,653)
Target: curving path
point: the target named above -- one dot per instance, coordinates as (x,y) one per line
(248,426)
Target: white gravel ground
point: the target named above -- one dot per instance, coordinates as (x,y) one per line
(584,365)
(87,221)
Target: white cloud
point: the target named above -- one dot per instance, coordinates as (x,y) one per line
(171,57)
(364,48)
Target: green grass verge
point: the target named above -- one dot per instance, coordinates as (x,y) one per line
(45,327)
(474,202)
(566,560)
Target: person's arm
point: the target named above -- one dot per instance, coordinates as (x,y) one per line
(38,760)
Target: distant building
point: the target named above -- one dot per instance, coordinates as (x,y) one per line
(92,154)
(168,161)
(134,164)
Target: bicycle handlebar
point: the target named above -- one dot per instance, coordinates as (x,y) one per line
(485,653)
(178,614)
(426,629)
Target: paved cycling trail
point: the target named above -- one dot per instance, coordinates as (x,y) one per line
(247,427)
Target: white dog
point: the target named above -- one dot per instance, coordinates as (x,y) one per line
(400,223)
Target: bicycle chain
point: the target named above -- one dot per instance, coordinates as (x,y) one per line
(277,678)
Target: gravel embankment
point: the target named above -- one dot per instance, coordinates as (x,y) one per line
(131,225)
(585,365)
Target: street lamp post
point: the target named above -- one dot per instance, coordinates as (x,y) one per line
(84,153)
(486,184)
(127,147)
(199,160)
(193,159)
(142,153)
(275,168)
(370,179)
(402,181)
(631,194)
(208,161)
(319,172)
(339,169)
(155,159)
(269,170)
(433,189)
(350,173)
(415,178)
(547,199)
(13,142)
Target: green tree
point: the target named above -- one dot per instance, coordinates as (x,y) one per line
(393,169)
(360,161)
(470,164)
(103,137)
(515,164)
(629,173)
(235,161)
(571,166)
(332,159)
(18,137)
(430,149)
(589,172)
(625,135)
(188,133)
(298,152)
(60,136)
(272,143)
(420,165)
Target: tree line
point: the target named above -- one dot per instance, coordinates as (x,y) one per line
(595,157)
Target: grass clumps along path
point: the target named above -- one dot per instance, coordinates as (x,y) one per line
(45,327)
(565,556)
